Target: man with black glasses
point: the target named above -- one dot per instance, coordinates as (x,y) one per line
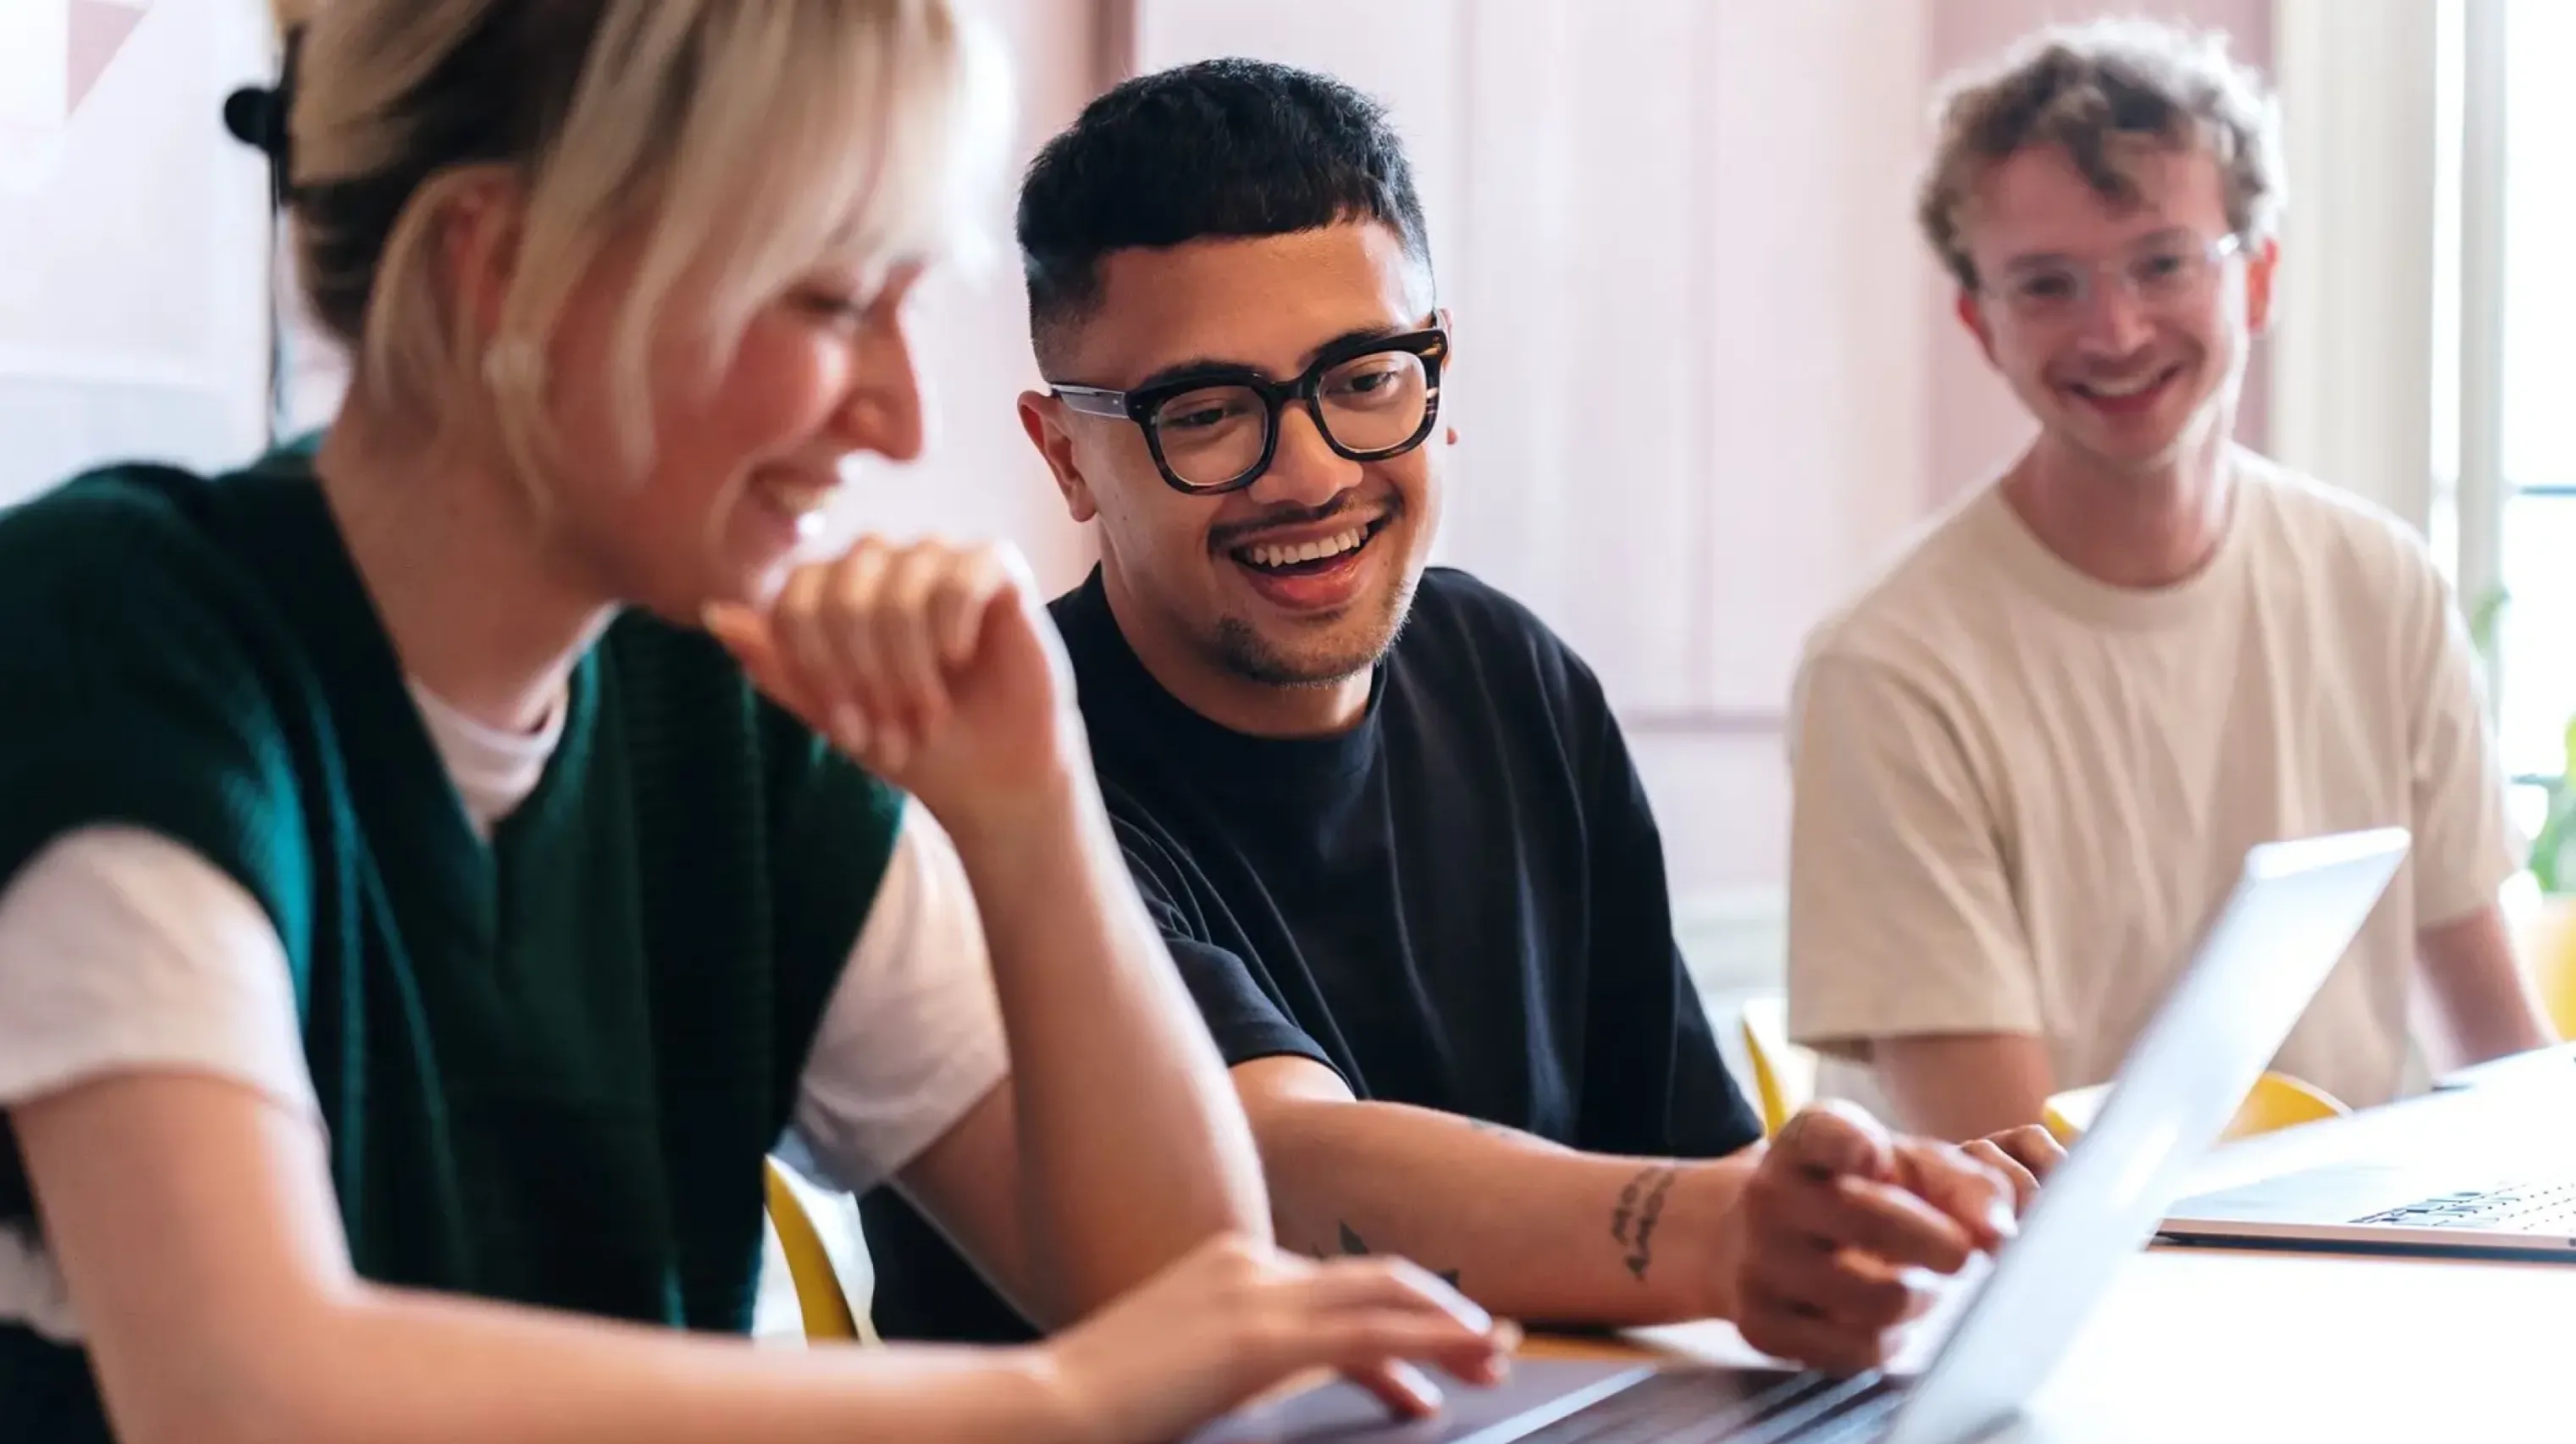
(1382,815)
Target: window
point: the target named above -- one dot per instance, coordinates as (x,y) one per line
(2536,564)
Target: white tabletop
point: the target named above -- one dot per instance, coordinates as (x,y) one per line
(2215,1346)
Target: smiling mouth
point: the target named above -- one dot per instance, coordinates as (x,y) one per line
(800,501)
(1296,559)
(2126,391)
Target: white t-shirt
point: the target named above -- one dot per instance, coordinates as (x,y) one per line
(2020,794)
(123,951)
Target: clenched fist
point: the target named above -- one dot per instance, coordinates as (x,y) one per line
(933,665)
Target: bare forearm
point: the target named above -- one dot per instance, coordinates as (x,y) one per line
(1101,1028)
(1963,1086)
(2483,991)
(1529,1229)
(221,1307)
(2501,1024)
(389,1367)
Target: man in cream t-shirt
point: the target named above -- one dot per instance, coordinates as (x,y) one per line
(2030,759)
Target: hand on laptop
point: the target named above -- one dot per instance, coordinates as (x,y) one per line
(1236,1318)
(2025,1156)
(1837,1225)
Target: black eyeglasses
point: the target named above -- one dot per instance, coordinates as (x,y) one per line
(1216,431)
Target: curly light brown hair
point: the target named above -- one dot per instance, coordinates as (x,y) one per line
(2105,92)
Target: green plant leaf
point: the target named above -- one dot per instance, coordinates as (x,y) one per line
(2549,847)
(2485,617)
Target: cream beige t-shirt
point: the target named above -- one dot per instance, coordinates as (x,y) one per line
(2021,794)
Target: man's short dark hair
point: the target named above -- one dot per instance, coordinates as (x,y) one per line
(1216,148)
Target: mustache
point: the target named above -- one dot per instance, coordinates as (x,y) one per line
(1234,534)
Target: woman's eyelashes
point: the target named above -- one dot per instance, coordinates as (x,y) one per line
(837,307)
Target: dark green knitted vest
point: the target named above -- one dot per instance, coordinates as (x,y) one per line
(551,1065)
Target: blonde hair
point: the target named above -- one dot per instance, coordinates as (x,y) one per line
(746,140)
(2103,92)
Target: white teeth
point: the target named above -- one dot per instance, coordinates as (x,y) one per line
(795,498)
(1313,551)
(2123,388)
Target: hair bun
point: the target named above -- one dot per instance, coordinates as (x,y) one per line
(256,115)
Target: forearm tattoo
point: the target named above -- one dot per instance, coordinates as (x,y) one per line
(1639,1210)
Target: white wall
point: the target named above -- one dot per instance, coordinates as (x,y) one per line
(2358,355)
(131,231)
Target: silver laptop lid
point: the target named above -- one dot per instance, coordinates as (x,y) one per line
(2292,915)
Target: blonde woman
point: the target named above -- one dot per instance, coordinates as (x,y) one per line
(415,925)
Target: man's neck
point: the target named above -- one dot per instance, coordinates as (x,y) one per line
(458,573)
(2140,530)
(1227,698)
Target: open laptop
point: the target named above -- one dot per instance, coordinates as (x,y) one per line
(2294,911)
(2370,1208)
(2445,1207)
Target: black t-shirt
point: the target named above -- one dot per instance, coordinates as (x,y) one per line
(1458,904)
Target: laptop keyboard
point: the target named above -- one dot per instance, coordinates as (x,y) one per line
(2538,1208)
(1676,1407)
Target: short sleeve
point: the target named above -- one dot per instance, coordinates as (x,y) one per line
(2464,847)
(1244,1019)
(1901,918)
(1653,1080)
(911,1038)
(121,951)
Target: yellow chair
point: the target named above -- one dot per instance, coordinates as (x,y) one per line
(1784,1074)
(819,1298)
(2278,1101)
(2545,935)
(1784,1078)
